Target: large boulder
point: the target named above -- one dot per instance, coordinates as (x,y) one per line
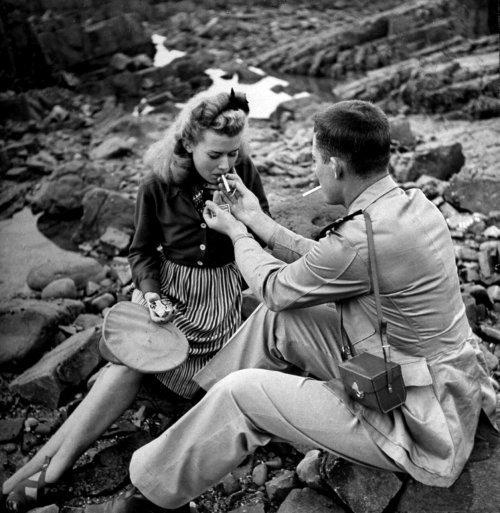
(12,197)
(309,469)
(10,429)
(113,147)
(79,268)
(401,131)
(239,68)
(62,193)
(377,84)
(483,107)
(60,288)
(29,327)
(459,83)
(90,43)
(67,365)
(180,78)
(42,163)
(475,17)
(363,44)
(432,159)
(103,209)
(475,190)
(364,490)
(187,68)
(306,500)
(280,486)
(473,492)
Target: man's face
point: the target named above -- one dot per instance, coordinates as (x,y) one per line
(215,155)
(325,173)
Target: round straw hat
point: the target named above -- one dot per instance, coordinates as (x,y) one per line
(131,338)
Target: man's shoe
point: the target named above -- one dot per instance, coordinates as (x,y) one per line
(131,501)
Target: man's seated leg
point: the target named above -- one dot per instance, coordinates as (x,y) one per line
(243,411)
(307,339)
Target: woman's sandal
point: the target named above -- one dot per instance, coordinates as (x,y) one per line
(28,493)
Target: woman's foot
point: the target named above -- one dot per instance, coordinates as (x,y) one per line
(29,492)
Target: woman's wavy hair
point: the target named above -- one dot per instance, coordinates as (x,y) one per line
(224,113)
(357,131)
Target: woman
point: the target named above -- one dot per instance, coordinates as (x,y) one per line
(194,271)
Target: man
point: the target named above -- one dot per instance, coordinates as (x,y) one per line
(316,295)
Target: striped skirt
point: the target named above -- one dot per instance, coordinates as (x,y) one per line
(208,303)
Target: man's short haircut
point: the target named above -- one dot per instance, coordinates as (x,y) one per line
(356,131)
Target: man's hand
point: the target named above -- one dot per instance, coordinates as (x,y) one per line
(222,220)
(244,203)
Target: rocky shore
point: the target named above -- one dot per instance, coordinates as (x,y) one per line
(71,155)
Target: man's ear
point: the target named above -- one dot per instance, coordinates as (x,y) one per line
(336,167)
(187,146)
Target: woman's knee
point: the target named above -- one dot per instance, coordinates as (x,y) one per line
(114,377)
(122,371)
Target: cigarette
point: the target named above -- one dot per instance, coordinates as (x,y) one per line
(311,191)
(226,185)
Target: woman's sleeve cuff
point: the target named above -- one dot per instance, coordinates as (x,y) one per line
(150,285)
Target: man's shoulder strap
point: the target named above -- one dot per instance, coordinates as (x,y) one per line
(337,223)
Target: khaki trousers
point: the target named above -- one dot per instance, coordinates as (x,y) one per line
(256,396)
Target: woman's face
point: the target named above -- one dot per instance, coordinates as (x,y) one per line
(215,155)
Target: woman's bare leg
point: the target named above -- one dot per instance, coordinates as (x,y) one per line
(112,393)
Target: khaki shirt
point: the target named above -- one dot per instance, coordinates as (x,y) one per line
(432,434)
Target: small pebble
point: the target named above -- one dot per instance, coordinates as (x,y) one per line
(259,474)
(274,463)
(9,448)
(30,423)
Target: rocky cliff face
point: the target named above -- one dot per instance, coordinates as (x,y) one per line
(373,41)
(348,39)
(40,38)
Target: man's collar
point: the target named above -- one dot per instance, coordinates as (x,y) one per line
(372,193)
